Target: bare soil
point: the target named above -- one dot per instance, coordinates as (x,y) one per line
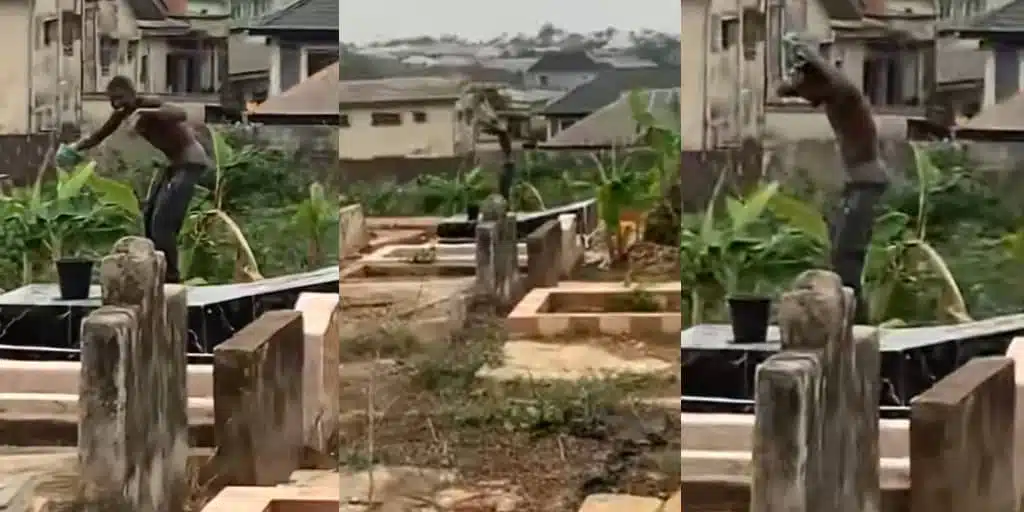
(551,443)
(645,261)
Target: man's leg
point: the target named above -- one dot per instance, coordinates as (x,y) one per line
(155,188)
(168,216)
(850,232)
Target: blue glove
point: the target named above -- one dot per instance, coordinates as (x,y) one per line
(68,157)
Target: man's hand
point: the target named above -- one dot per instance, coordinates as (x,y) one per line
(810,76)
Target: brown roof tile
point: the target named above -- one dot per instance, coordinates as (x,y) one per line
(393,90)
(315,95)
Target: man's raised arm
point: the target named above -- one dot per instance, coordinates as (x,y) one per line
(109,127)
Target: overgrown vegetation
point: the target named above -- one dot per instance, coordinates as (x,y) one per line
(944,250)
(233,230)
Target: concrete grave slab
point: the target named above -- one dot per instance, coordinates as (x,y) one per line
(589,308)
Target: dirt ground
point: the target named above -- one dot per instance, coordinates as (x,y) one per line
(646,262)
(551,443)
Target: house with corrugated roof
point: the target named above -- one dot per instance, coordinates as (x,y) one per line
(563,70)
(300,39)
(999,39)
(605,88)
(416,117)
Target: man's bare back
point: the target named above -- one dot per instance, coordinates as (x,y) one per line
(161,124)
(849,114)
(847,110)
(164,126)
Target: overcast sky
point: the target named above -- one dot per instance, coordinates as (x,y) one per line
(365,21)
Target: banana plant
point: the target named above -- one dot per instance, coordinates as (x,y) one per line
(620,187)
(208,226)
(51,222)
(741,251)
(315,216)
(900,258)
(449,196)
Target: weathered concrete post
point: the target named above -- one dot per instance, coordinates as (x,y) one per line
(133,428)
(962,433)
(496,253)
(544,255)
(816,426)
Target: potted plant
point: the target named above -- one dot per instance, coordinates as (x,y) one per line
(745,284)
(58,222)
(739,256)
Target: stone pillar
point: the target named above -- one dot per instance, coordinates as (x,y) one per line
(486,240)
(784,428)
(321,319)
(841,419)
(506,259)
(133,428)
(352,231)
(257,400)
(544,255)
(962,440)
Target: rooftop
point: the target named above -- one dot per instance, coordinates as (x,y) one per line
(394,90)
(1007,115)
(301,15)
(609,85)
(614,124)
(577,60)
(1009,17)
(316,95)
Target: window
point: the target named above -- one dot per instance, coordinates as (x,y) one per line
(319,58)
(543,80)
(49,32)
(385,119)
(419,117)
(343,120)
(144,72)
(108,54)
(131,53)
(191,66)
(730,32)
(72,24)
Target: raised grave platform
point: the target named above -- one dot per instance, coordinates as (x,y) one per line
(582,308)
(718,375)
(37,324)
(459,229)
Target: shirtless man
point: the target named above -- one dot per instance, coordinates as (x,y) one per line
(164,127)
(867,178)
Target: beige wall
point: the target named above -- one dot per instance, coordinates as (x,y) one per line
(692,85)
(723,84)
(989,96)
(438,137)
(49,80)
(16,88)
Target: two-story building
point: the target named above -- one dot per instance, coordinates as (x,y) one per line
(563,70)
(886,47)
(61,59)
(722,72)
(999,37)
(302,39)
(418,117)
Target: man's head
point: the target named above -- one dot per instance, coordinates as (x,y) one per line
(121,92)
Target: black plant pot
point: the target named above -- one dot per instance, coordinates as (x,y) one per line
(74,275)
(749,316)
(472,212)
